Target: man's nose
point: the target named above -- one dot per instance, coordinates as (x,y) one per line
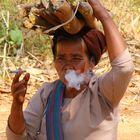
(68,65)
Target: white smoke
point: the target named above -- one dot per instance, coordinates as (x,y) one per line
(75,79)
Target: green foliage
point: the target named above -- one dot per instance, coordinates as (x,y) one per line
(38,43)
(124,12)
(15,36)
(2,30)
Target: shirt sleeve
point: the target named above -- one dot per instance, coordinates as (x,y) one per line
(33,115)
(113,84)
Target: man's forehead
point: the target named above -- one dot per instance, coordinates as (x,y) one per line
(71,45)
(70,53)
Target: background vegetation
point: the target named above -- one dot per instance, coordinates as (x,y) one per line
(14,39)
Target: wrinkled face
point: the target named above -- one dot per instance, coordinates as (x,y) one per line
(71,55)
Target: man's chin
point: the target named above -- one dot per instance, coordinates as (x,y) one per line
(63,80)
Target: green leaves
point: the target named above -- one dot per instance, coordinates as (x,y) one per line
(15,36)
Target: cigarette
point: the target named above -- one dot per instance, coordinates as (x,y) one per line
(16,71)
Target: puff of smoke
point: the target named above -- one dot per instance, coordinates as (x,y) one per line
(75,80)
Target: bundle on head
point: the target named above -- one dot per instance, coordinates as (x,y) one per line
(53,15)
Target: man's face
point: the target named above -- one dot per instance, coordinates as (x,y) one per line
(71,55)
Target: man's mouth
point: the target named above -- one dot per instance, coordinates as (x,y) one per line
(75,79)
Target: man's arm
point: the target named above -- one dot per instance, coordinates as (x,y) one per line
(16,120)
(115,43)
(114,83)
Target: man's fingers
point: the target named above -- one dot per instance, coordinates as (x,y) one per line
(26,78)
(94,3)
(18,85)
(91,2)
(16,78)
(21,91)
(19,88)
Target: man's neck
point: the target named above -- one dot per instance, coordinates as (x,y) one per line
(72,92)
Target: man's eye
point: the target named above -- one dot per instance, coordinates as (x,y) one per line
(60,58)
(77,58)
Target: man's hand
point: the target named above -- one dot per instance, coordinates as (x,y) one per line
(115,43)
(16,120)
(19,87)
(99,10)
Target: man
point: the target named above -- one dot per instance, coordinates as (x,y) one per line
(58,111)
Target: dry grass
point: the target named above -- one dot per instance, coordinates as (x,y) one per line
(126,13)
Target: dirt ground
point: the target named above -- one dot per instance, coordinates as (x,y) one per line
(129,126)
